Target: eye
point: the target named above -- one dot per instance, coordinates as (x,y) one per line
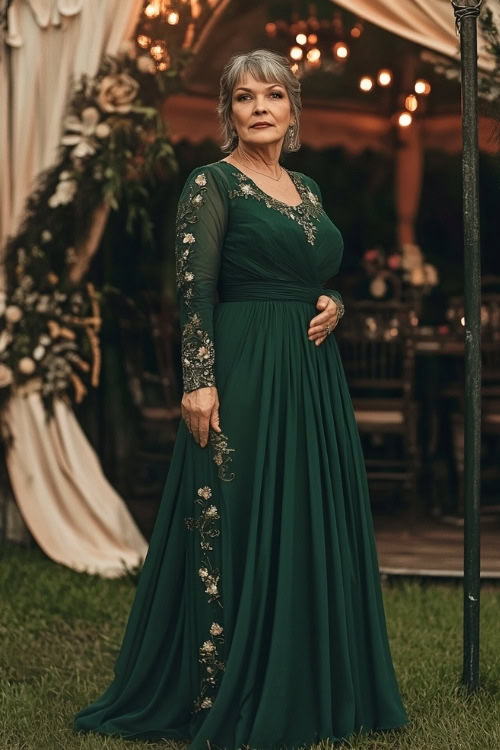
(278,94)
(240,97)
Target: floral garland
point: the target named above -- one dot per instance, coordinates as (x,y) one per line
(113,151)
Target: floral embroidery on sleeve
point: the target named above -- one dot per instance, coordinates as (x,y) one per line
(198,353)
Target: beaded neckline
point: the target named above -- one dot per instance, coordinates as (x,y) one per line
(296,181)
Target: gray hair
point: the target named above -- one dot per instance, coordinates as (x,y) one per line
(263,65)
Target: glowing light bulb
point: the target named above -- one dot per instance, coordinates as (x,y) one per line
(366,83)
(152,10)
(384,77)
(173,18)
(271,29)
(301,39)
(357,30)
(341,50)
(411,102)
(422,87)
(314,56)
(143,41)
(296,53)
(405,119)
(162,66)
(312,38)
(157,51)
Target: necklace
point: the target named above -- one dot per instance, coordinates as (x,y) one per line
(276,179)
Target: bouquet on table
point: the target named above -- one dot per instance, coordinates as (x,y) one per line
(401,275)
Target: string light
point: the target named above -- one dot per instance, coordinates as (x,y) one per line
(301,39)
(143,41)
(357,30)
(271,29)
(411,102)
(405,119)
(366,83)
(312,38)
(152,10)
(384,77)
(162,66)
(422,87)
(341,50)
(158,50)
(296,53)
(314,56)
(173,18)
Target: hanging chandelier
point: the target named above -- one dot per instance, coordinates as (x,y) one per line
(312,41)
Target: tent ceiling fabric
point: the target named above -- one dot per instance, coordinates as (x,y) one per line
(325,127)
(430,23)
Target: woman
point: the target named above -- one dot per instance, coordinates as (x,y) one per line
(258,620)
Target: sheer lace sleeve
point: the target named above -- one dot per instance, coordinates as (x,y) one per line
(200,230)
(332,293)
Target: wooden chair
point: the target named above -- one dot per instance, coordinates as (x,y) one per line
(378,355)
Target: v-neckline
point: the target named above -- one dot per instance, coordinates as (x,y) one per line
(295,181)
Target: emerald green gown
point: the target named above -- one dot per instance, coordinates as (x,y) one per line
(258,619)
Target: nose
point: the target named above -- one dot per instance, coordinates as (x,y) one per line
(260,106)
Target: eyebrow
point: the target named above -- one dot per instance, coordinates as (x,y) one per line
(272,85)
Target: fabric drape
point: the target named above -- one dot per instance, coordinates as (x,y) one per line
(71,510)
(430,23)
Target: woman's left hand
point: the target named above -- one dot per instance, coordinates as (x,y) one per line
(325,321)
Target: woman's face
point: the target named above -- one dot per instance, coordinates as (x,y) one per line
(261,111)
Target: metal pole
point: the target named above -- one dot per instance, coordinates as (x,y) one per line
(466,14)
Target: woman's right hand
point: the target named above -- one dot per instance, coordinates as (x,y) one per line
(200,411)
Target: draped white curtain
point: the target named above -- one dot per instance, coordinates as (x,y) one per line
(65,500)
(430,23)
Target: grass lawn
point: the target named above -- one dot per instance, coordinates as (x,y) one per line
(60,631)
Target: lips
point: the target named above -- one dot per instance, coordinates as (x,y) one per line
(262,125)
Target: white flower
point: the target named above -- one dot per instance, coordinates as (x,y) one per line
(247,189)
(417,276)
(46,236)
(64,194)
(216,629)
(38,352)
(117,93)
(205,492)
(188,238)
(378,287)
(145,64)
(411,256)
(197,199)
(5,376)
(203,573)
(13,313)
(206,702)
(5,339)
(102,130)
(431,274)
(44,339)
(81,132)
(26,365)
(189,276)
(211,512)
(201,179)
(212,589)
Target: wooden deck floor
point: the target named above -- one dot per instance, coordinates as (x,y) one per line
(429,548)
(432,547)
